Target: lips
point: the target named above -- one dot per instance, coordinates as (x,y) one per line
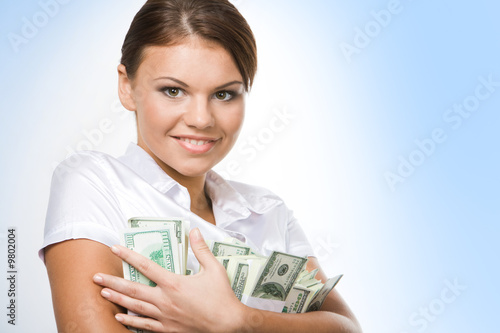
(196,145)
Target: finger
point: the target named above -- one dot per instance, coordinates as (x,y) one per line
(147,267)
(147,324)
(201,250)
(131,289)
(134,305)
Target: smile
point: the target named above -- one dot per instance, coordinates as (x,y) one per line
(196,145)
(196,142)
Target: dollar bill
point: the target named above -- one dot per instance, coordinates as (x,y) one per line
(238,275)
(155,244)
(224,261)
(310,283)
(296,302)
(306,275)
(159,245)
(181,228)
(320,297)
(226,249)
(278,276)
(232,240)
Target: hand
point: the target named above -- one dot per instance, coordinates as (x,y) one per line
(203,302)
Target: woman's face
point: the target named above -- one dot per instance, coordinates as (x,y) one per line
(190,103)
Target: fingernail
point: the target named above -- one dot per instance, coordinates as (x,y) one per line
(197,234)
(115,250)
(98,278)
(119,318)
(105,293)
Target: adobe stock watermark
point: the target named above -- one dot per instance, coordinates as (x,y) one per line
(325,247)
(422,318)
(363,36)
(248,149)
(454,117)
(31,25)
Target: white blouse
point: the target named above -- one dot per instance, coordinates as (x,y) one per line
(93,195)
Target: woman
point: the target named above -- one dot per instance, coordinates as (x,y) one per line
(185,70)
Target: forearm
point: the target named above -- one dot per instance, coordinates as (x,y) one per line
(318,322)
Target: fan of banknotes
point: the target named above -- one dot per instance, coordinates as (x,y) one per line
(278,282)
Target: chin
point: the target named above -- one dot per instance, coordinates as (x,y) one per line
(194,171)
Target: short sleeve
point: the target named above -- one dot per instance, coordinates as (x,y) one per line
(82,203)
(297,242)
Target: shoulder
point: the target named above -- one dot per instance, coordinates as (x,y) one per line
(85,158)
(83,163)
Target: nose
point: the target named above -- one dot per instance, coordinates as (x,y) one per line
(198,114)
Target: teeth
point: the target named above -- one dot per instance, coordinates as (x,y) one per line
(195,142)
(198,143)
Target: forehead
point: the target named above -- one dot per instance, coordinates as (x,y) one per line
(193,60)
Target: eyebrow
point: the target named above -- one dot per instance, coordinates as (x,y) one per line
(187,86)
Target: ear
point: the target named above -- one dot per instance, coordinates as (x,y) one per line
(125,89)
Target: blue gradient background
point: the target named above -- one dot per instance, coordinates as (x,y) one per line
(350,123)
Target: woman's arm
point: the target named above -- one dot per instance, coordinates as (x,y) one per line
(78,305)
(205,302)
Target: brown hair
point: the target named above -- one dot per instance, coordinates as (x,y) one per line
(166,22)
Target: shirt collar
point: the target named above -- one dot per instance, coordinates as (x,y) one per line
(228,203)
(146,167)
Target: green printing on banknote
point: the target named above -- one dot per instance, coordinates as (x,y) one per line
(136,223)
(240,280)
(296,300)
(276,282)
(320,296)
(178,225)
(160,253)
(220,248)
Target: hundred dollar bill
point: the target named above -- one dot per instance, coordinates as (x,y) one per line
(278,276)
(155,244)
(296,302)
(232,240)
(320,297)
(313,290)
(224,261)
(226,249)
(238,275)
(181,232)
(310,283)
(250,259)
(306,275)
(159,245)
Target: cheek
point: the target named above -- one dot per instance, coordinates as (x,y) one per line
(153,113)
(232,121)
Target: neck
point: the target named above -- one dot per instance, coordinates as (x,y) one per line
(195,186)
(201,204)
(196,190)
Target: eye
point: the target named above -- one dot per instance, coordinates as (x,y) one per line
(173,92)
(223,95)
